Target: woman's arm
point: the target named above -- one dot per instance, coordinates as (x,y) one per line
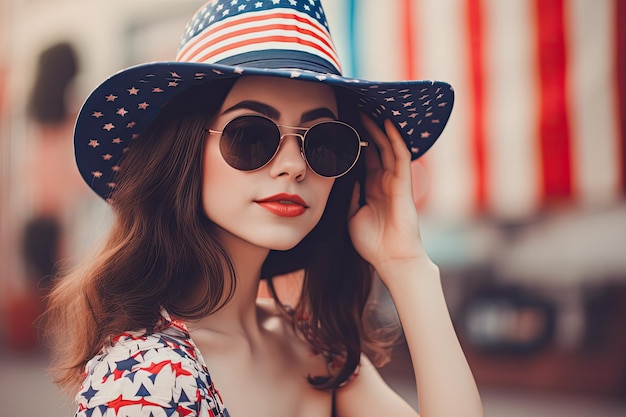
(444,381)
(385,231)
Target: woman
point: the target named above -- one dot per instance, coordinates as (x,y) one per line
(249,157)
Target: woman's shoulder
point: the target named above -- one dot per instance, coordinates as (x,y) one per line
(141,372)
(285,324)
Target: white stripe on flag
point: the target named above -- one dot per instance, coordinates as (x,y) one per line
(511,97)
(380,58)
(593,100)
(338,18)
(441,39)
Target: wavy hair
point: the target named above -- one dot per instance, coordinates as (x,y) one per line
(162,252)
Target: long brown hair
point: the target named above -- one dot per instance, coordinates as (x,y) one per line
(162,249)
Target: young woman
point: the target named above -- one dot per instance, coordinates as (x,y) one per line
(249,157)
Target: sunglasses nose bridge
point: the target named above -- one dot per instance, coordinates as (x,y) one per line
(297,135)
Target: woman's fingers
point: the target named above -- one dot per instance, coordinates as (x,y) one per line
(382,143)
(400,150)
(394,154)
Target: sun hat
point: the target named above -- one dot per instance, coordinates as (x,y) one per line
(236,38)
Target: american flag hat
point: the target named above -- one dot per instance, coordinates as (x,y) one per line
(235,38)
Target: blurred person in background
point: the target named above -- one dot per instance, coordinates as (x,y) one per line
(51,185)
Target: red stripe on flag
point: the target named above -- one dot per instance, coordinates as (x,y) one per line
(408,36)
(477,119)
(620,58)
(554,135)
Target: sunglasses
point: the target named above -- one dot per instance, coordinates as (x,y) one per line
(250,142)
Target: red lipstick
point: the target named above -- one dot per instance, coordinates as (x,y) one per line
(284,205)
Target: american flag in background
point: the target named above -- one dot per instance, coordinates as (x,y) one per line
(540,96)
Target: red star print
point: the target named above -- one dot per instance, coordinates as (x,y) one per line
(133,91)
(155,368)
(177,368)
(120,402)
(117,374)
(182,411)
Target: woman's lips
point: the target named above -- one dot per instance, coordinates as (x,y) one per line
(284,205)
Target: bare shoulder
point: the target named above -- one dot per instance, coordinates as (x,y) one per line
(278,322)
(368,394)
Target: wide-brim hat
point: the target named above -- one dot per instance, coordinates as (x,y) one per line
(238,38)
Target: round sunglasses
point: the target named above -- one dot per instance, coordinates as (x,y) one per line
(250,142)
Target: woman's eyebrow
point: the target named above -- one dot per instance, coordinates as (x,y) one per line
(321,113)
(273,113)
(264,109)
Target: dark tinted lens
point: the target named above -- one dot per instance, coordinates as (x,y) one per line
(249,142)
(331,148)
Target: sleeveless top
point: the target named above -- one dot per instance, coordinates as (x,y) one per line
(157,373)
(153,373)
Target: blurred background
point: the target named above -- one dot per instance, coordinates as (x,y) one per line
(522,199)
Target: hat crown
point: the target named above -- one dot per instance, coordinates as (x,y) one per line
(273,34)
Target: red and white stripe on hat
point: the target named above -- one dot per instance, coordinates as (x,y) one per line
(257,31)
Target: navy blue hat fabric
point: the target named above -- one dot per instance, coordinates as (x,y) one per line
(235,39)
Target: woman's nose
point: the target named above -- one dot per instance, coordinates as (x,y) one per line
(289,160)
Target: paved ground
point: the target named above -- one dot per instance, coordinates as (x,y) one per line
(25,391)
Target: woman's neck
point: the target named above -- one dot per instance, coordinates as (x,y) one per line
(239,315)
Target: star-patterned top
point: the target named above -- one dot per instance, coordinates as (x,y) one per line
(152,374)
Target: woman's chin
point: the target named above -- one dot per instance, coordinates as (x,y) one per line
(283,245)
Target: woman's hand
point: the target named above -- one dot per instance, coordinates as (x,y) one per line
(385,231)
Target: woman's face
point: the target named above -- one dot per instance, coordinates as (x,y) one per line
(276,206)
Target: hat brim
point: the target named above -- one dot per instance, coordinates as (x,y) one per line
(120,108)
